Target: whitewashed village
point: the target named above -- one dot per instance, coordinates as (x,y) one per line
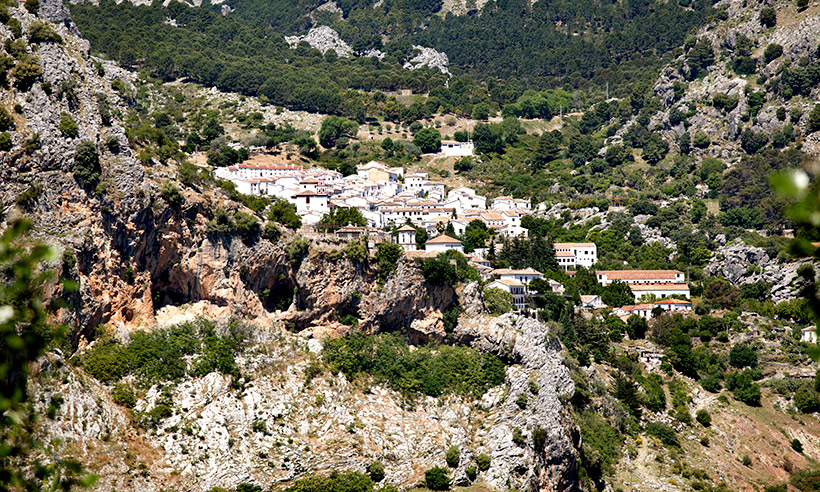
(392,200)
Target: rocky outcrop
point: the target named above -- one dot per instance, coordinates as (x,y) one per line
(428,57)
(280,425)
(324,39)
(740,263)
(528,343)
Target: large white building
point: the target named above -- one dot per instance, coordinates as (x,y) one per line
(451,148)
(658,291)
(606,277)
(573,255)
(444,243)
(406,238)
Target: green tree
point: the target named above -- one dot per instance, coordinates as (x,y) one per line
(284,212)
(773,52)
(481,111)
(341,217)
(26,71)
(497,301)
(768,17)
(701,56)
(387,259)
(814,119)
(548,149)
(68,126)
(452,456)
(617,294)
(636,327)
(335,127)
(703,417)
(428,140)
(87,165)
(6,120)
(436,478)
(742,355)
(805,400)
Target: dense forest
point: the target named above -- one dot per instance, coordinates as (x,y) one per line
(245,51)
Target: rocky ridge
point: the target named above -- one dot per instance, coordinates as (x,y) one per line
(280,426)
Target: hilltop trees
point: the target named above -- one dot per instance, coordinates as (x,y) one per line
(334,128)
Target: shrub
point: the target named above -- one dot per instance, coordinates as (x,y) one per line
(29,196)
(742,356)
(68,126)
(806,480)
(247,225)
(521,401)
(701,140)
(703,417)
(768,17)
(497,301)
(171,194)
(297,249)
(452,456)
(356,251)
(87,165)
(5,142)
(746,460)
(6,120)
(42,32)
(814,119)
(773,52)
(663,432)
(376,471)
(806,400)
(123,394)
(387,259)
(284,212)
(472,473)
(797,445)
(483,461)
(436,478)
(33,6)
(518,437)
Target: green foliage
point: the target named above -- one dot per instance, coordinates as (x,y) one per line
(440,270)
(161,355)
(339,217)
(701,56)
(617,294)
(284,212)
(746,460)
(497,301)
(703,417)
(452,456)
(297,249)
(663,432)
(87,165)
(742,355)
(356,251)
(436,478)
(6,120)
(428,140)
(427,370)
(247,225)
(773,52)
(483,461)
(5,142)
(797,445)
(655,396)
(521,401)
(68,126)
(743,387)
(171,194)
(337,481)
(387,259)
(805,400)
(33,6)
(29,197)
(376,471)
(768,16)
(814,119)
(601,444)
(123,394)
(334,128)
(42,32)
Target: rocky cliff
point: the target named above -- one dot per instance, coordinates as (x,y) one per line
(281,424)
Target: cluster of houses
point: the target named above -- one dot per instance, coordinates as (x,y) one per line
(384,195)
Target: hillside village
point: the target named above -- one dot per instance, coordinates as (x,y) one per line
(391,200)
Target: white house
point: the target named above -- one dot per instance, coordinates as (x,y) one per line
(524,276)
(673,305)
(808,334)
(310,201)
(407,238)
(642,310)
(451,148)
(444,243)
(515,288)
(573,255)
(606,277)
(591,301)
(658,291)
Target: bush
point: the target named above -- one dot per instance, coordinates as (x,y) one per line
(452,456)
(297,249)
(663,432)
(376,471)
(68,126)
(123,394)
(472,473)
(701,140)
(703,417)
(742,356)
(356,251)
(768,17)
(797,445)
(436,478)
(428,140)
(387,258)
(806,400)
(247,225)
(746,460)
(171,194)
(806,480)
(483,461)
(6,120)
(284,213)
(521,401)
(33,6)
(497,301)
(5,142)
(42,32)
(87,165)
(773,52)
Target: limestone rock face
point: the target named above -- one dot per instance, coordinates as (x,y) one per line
(740,263)
(324,39)
(428,57)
